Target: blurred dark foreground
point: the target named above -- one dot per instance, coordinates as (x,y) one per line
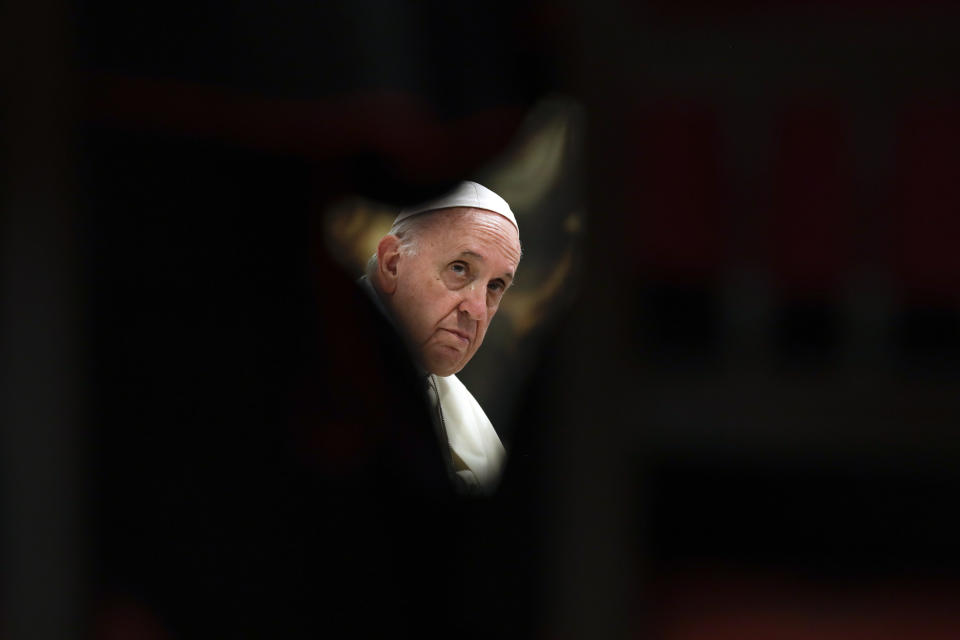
(742,427)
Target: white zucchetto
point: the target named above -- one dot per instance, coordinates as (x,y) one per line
(466,194)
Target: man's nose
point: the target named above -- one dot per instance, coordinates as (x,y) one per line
(474,302)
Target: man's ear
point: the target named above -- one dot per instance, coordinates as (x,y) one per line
(388,255)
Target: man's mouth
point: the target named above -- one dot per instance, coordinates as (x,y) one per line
(460,334)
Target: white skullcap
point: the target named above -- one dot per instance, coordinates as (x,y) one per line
(466,194)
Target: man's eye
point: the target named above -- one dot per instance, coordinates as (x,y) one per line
(459,268)
(496,286)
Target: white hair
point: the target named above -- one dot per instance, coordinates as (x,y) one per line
(408,231)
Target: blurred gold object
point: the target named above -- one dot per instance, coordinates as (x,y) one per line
(527,308)
(531,169)
(353,227)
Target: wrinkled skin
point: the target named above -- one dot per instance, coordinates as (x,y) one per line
(445,288)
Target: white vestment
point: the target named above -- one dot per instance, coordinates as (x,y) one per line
(472,437)
(475,447)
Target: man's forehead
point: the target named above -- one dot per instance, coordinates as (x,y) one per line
(486,242)
(473,255)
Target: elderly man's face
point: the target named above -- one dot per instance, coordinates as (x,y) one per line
(449,287)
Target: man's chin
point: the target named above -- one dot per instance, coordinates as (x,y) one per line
(445,365)
(444,371)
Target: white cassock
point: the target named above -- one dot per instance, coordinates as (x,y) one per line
(475,447)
